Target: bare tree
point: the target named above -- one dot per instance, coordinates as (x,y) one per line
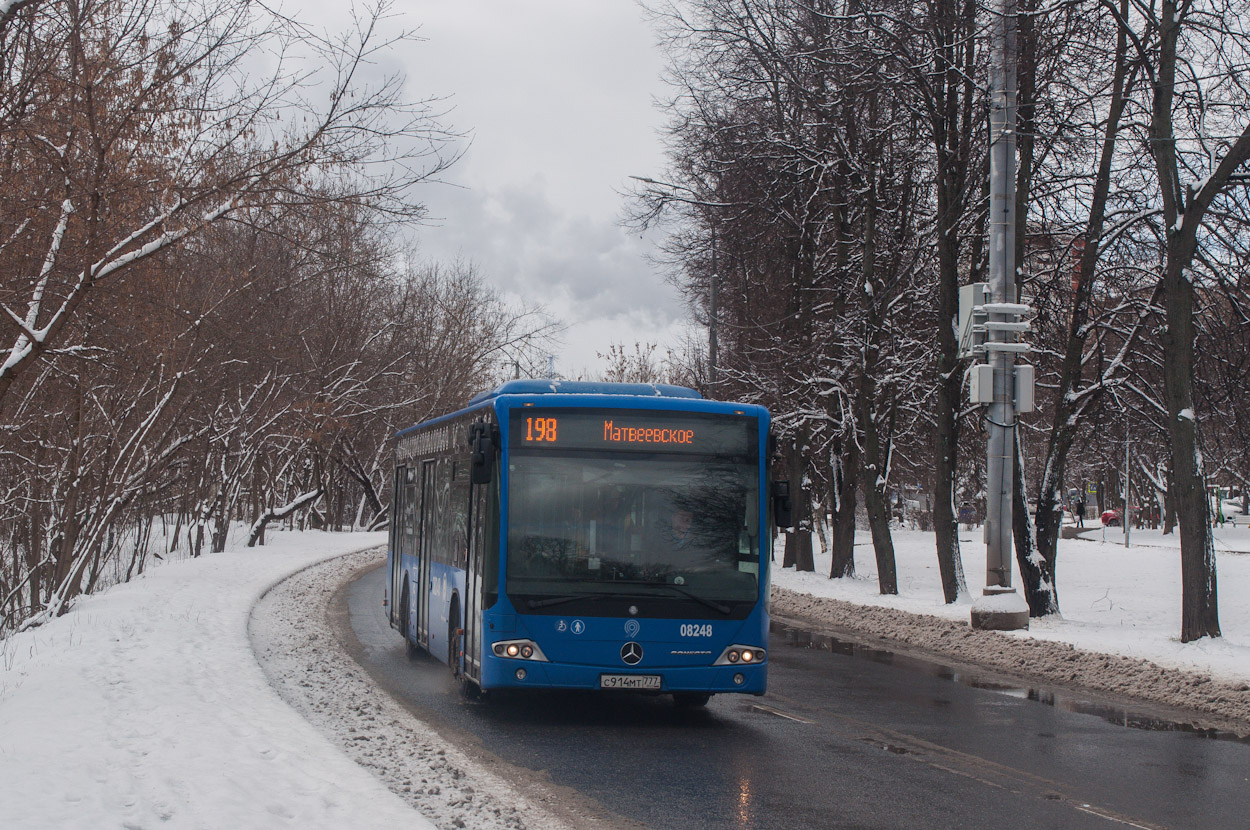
(1036,551)
(1189,99)
(133,124)
(639,367)
(208,320)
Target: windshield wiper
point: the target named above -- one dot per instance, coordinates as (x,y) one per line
(550,601)
(713,604)
(710,603)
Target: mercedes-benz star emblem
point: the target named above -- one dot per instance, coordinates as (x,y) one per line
(631,653)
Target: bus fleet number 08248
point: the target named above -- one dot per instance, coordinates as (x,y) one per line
(696,630)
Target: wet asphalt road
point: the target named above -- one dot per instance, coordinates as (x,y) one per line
(847,737)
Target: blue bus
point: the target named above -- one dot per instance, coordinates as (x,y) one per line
(587,536)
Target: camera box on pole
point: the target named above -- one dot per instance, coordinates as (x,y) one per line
(971,321)
(981,383)
(1024,388)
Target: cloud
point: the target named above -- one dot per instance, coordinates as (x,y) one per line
(558,98)
(580,266)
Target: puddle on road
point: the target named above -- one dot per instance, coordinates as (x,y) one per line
(797,638)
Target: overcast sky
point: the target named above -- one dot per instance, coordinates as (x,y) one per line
(557,96)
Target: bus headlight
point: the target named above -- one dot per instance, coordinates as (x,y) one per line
(741,654)
(518,650)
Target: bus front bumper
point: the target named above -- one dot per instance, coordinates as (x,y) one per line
(533,674)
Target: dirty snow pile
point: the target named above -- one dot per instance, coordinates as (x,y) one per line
(144,706)
(1118,631)
(310,669)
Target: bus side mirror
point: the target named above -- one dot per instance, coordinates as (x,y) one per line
(783,509)
(482,458)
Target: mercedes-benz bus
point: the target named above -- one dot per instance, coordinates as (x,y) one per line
(587,536)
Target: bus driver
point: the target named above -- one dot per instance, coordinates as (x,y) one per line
(678,533)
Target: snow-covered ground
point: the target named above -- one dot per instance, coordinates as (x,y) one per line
(146,705)
(1112,599)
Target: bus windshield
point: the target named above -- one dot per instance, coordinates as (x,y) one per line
(584,524)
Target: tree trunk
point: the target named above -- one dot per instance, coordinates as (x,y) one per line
(1199,605)
(842,480)
(67,533)
(820,523)
(946,410)
(799,540)
(882,542)
(945,436)
(257,534)
(34,547)
(221,521)
(1037,572)
(1169,508)
(951,121)
(876,456)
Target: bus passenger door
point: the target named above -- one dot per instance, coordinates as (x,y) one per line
(427,550)
(409,541)
(396,552)
(473,585)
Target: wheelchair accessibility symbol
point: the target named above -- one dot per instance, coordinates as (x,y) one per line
(562,626)
(578,626)
(632,627)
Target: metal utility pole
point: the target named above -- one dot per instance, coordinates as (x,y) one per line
(1002,273)
(1003,321)
(712,345)
(1127,518)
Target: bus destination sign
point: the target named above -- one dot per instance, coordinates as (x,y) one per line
(631,431)
(645,435)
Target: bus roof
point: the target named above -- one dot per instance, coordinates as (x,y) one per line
(659,396)
(582,387)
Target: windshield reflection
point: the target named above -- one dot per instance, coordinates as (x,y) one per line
(594,524)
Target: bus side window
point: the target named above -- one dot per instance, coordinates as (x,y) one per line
(443,512)
(487,524)
(459,514)
(398,508)
(408,541)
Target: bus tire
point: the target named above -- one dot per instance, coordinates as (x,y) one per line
(691,700)
(409,647)
(453,639)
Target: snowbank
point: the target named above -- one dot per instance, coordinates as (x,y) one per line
(1118,633)
(308,666)
(145,706)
